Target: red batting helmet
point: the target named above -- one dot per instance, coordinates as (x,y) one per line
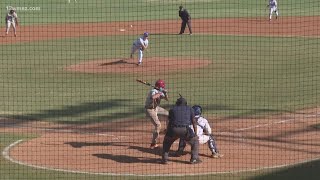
(160,84)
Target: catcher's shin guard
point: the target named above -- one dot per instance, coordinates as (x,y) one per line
(212,145)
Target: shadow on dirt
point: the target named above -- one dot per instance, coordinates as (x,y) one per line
(121,61)
(128,159)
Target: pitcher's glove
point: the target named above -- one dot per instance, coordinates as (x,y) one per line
(142,48)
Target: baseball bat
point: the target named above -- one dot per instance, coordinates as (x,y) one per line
(148,84)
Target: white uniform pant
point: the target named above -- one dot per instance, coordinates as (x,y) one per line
(140,53)
(9,23)
(203,139)
(273,9)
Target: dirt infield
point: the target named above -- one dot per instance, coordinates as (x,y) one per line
(283,27)
(122,147)
(129,66)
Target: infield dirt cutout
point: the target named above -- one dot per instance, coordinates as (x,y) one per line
(128,66)
(122,147)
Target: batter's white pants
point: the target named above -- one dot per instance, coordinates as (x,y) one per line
(152,114)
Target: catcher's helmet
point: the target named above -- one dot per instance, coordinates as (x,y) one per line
(146,34)
(11,11)
(160,84)
(197,110)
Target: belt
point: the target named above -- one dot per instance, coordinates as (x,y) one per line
(180,126)
(149,107)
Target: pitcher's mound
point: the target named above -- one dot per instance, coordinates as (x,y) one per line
(153,64)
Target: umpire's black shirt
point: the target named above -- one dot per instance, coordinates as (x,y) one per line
(181,116)
(184,15)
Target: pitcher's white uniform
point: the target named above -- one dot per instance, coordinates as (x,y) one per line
(11,19)
(140,44)
(273,7)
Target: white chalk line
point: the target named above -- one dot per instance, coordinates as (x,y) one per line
(264,125)
(7,156)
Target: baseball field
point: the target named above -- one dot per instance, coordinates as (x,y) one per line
(71,108)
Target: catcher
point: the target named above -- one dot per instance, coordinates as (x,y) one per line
(204,133)
(140,44)
(11,19)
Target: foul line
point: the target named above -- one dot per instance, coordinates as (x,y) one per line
(264,125)
(6,155)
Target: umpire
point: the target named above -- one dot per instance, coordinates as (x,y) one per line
(181,116)
(186,20)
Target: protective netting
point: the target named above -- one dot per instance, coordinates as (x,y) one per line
(90,89)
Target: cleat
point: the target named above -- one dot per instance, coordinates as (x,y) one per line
(217,155)
(153,145)
(178,154)
(195,161)
(139,64)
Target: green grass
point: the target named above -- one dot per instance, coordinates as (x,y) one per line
(59,11)
(308,170)
(248,76)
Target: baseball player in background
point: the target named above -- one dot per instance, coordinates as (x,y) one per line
(204,133)
(11,20)
(152,109)
(273,7)
(140,44)
(186,20)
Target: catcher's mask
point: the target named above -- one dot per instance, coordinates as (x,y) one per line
(160,84)
(11,11)
(197,110)
(146,34)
